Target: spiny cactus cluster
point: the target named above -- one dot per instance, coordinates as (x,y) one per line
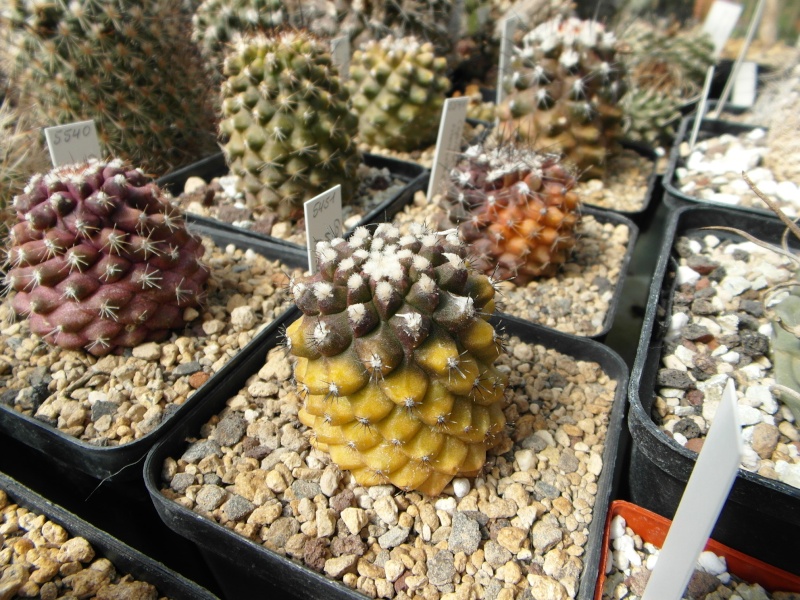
(395,358)
(287,129)
(563,92)
(666,67)
(129,65)
(99,259)
(216,23)
(515,208)
(398,87)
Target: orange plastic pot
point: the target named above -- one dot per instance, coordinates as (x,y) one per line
(653,528)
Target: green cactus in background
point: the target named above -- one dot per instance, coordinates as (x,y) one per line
(287,129)
(563,92)
(99,259)
(398,86)
(396,358)
(216,24)
(129,65)
(651,117)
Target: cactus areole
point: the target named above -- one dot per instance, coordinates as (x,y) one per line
(395,358)
(100,260)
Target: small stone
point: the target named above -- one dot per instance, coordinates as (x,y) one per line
(545,536)
(76,549)
(496,555)
(326,522)
(393,569)
(329,481)
(568,462)
(386,509)
(465,535)
(305,489)
(711,563)
(280,531)
(394,537)
(187,369)
(351,544)
(213,326)
(196,380)
(230,429)
(509,573)
(237,508)
(765,439)
(338,566)
(243,318)
(461,487)
(511,538)
(701,584)
(441,569)
(354,519)
(546,588)
(210,497)
(674,378)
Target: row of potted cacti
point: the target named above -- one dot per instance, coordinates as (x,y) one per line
(391,344)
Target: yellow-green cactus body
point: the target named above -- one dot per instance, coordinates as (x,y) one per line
(563,93)
(287,129)
(396,358)
(398,87)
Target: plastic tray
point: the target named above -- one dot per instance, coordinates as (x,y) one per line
(414,176)
(124,558)
(761,516)
(653,528)
(242,567)
(673,196)
(118,463)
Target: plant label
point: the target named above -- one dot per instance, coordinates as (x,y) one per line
(448,143)
(701,107)
(340,56)
(73,143)
(732,78)
(324,221)
(744,88)
(720,21)
(706,491)
(506,50)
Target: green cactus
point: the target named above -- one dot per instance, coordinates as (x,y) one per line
(287,129)
(650,116)
(515,208)
(217,23)
(563,92)
(99,259)
(129,65)
(398,87)
(395,357)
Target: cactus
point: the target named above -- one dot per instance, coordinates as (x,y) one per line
(99,259)
(395,356)
(666,67)
(216,23)
(398,87)
(515,208)
(287,130)
(129,65)
(564,92)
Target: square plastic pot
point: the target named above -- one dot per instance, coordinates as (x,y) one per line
(653,528)
(124,558)
(243,567)
(761,516)
(119,463)
(414,176)
(709,128)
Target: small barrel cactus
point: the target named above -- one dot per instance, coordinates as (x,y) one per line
(395,356)
(563,92)
(99,259)
(287,130)
(515,208)
(398,87)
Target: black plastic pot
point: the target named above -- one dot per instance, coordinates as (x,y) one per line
(124,558)
(673,196)
(761,516)
(243,567)
(414,175)
(119,463)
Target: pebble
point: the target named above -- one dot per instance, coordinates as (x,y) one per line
(465,535)
(707,348)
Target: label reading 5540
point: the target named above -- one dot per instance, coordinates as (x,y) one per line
(72,143)
(323,221)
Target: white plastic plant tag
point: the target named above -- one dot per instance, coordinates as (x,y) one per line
(448,143)
(701,107)
(751,31)
(706,492)
(340,55)
(744,88)
(324,221)
(73,143)
(720,21)
(506,50)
